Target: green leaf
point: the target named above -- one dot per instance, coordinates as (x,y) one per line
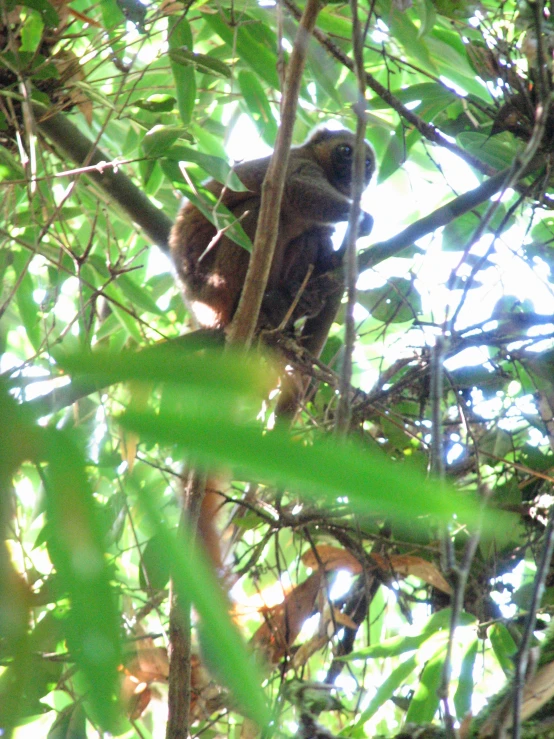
(258,105)
(504,647)
(387,689)
(498,151)
(202,62)
(112,16)
(10,169)
(159,139)
(31,32)
(458,232)
(395,302)
(126,319)
(449,55)
(75,546)
(464,692)
(155,569)
(179,36)
(159,103)
(28,309)
(430,92)
(216,167)
(71,723)
(400,644)
(425,700)
(194,581)
(428,16)
(208,205)
(406,33)
(243,41)
(543,231)
(45,10)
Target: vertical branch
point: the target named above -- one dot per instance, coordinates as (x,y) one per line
(246,317)
(437,382)
(459,573)
(437,470)
(180,652)
(522,657)
(344,410)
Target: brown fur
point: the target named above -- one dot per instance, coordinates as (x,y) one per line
(317,195)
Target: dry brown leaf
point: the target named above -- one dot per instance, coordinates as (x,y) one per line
(332,558)
(538,691)
(343,619)
(407,564)
(306,650)
(336,558)
(149,664)
(249,729)
(282,624)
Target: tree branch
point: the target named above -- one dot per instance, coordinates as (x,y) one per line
(244,323)
(439,217)
(75,145)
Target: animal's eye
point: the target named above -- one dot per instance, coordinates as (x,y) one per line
(345,150)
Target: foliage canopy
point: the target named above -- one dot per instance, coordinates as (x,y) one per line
(348,565)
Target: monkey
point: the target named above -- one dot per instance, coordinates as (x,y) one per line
(212,268)
(317,195)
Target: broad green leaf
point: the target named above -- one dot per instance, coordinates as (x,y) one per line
(208,205)
(45,10)
(504,647)
(76,548)
(450,56)
(204,63)
(543,231)
(179,36)
(155,567)
(112,17)
(457,234)
(428,16)
(178,361)
(429,92)
(125,317)
(400,644)
(10,169)
(398,148)
(216,167)
(425,700)
(242,38)
(395,302)
(257,103)
(31,32)
(406,33)
(324,469)
(160,139)
(194,581)
(218,436)
(28,309)
(464,692)
(498,151)
(15,611)
(71,723)
(158,103)
(387,689)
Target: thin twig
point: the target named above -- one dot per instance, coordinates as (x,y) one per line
(344,409)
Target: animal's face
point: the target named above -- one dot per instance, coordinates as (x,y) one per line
(342,160)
